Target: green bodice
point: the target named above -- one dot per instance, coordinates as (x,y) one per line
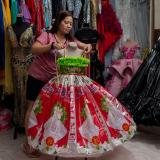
(72,65)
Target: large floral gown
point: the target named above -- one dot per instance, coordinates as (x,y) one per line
(74,116)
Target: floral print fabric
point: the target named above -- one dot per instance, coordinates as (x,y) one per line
(74,116)
(21,58)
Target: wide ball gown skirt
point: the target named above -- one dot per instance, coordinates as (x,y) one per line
(74,116)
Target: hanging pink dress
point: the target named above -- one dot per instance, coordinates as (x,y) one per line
(123,70)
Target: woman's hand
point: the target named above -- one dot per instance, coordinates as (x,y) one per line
(58,46)
(87,48)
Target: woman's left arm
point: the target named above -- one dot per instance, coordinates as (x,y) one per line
(84,46)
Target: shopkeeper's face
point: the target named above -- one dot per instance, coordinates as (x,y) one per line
(66,25)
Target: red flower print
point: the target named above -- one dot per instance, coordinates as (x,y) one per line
(49,141)
(125,127)
(95,140)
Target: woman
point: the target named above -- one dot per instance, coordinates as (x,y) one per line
(43,67)
(73,116)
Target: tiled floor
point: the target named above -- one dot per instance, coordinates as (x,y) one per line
(143,146)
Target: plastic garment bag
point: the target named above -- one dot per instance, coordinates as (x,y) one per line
(142,95)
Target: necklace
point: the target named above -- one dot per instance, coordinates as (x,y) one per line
(60,41)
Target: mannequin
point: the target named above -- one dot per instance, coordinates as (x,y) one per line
(21,38)
(19,27)
(129,43)
(72,48)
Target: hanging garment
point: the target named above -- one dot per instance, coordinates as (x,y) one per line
(8,73)
(31,6)
(8,11)
(76,14)
(2,40)
(47,12)
(86,12)
(151,24)
(14,10)
(123,70)
(20,60)
(130,14)
(40,23)
(24,10)
(94,7)
(56,7)
(37,13)
(77,8)
(68,5)
(73,116)
(109,29)
(156,14)
(142,94)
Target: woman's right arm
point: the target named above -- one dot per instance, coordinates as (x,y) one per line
(38,48)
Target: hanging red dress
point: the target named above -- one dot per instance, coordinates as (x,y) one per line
(109,29)
(31,7)
(40,17)
(36,10)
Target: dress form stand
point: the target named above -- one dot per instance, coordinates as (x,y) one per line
(19,27)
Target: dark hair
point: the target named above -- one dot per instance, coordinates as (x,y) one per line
(60,17)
